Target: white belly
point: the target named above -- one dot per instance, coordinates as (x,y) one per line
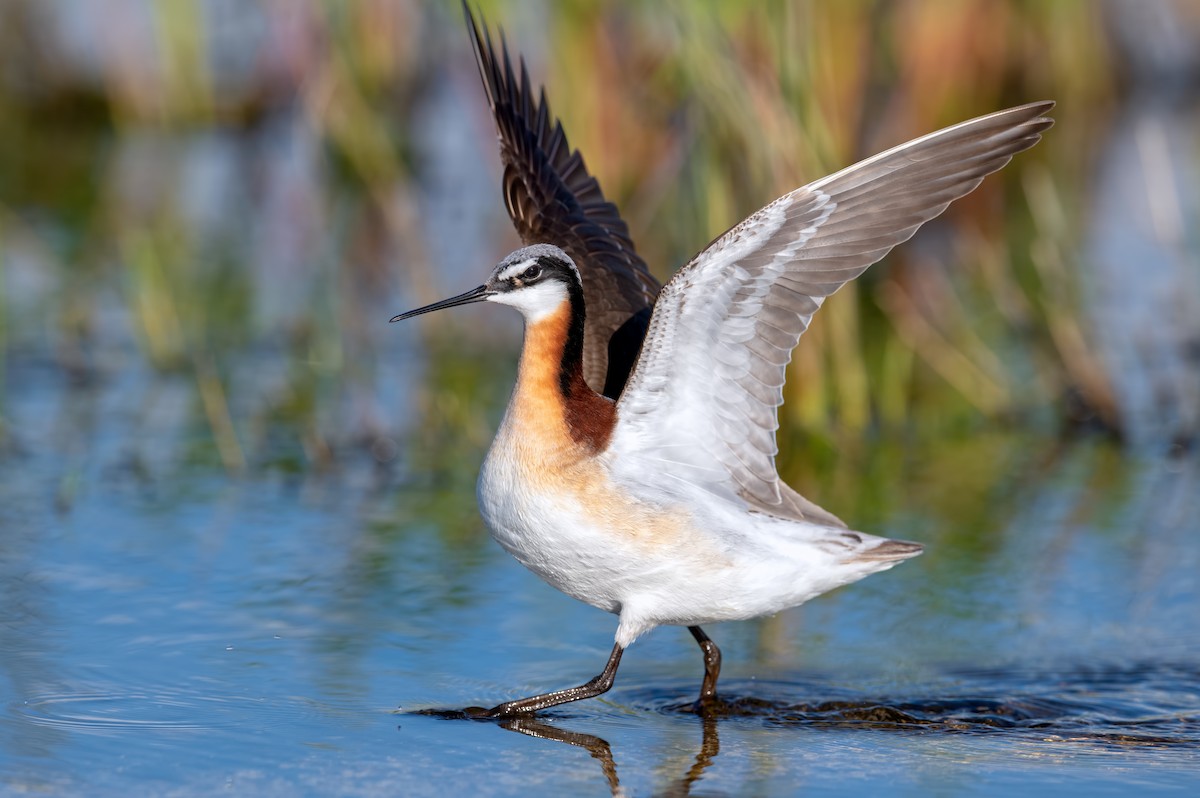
(688,561)
(562,517)
(550,533)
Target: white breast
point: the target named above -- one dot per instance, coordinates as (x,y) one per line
(545,529)
(560,514)
(623,544)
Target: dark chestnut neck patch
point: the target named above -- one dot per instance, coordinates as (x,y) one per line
(590,417)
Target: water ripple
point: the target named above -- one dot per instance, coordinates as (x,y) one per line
(1152,706)
(112,712)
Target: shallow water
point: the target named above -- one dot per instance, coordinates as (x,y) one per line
(168,629)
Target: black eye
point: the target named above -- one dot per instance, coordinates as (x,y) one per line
(532,273)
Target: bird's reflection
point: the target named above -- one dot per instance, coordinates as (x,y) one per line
(601,751)
(598,747)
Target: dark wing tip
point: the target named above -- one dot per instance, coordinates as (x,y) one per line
(485,55)
(1038,114)
(1032,117)
(477,42)
(1033,111)
(1035,107)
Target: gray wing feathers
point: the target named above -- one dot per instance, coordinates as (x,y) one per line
(739,308)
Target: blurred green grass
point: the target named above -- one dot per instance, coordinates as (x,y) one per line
(691,114)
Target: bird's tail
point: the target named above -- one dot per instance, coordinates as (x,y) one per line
(890,551)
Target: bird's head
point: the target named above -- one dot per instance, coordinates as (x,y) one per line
(536,280)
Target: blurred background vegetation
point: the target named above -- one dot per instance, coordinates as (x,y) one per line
(209,210)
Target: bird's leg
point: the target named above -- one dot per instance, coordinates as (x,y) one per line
(595,687)
(712,665)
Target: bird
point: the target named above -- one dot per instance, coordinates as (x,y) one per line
(634,468)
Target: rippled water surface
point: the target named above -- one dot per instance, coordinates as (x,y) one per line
(183,632)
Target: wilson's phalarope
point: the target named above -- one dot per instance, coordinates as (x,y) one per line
(635,466)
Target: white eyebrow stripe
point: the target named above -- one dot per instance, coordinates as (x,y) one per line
(515,269)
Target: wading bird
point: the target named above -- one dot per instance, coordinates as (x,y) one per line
(635,465)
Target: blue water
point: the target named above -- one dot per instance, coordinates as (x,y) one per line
(168,629)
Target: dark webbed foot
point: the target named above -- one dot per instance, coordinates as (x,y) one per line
(527,706)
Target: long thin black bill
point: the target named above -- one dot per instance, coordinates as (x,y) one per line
(474,295)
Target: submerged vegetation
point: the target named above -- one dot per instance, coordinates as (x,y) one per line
(235,198)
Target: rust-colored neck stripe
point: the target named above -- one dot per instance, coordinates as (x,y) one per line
(558,340)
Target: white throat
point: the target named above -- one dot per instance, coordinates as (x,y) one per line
(535,302)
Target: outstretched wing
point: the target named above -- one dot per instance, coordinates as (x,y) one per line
(701,404)
(553,200)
